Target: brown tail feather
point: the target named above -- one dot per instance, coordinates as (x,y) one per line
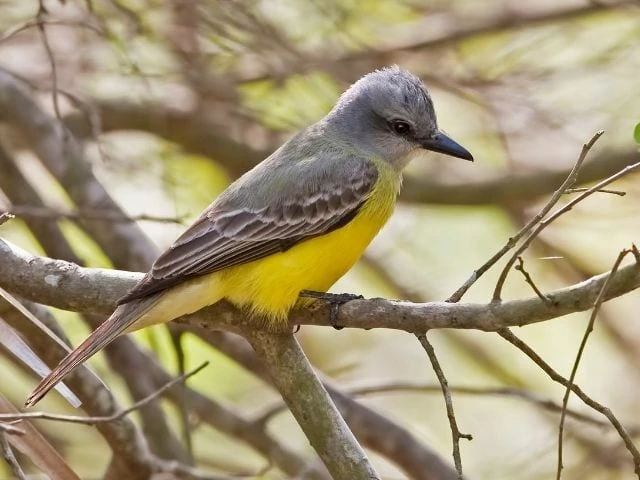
(122,318)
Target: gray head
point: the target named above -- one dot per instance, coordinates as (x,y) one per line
(390,112)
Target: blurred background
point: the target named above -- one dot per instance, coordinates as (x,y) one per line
(166,102)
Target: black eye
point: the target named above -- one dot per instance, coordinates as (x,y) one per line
(400,127)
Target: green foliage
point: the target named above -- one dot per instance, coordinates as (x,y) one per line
(292,104)
(636,133)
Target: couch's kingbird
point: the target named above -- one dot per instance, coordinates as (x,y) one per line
(297,221)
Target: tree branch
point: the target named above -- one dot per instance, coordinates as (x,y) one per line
(94,290)
(373,430)
(456,434)
(311,405)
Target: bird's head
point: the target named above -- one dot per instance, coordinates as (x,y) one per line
(390,112)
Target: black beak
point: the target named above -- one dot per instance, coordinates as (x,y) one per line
(443,144)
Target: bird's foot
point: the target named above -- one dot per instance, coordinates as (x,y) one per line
(335,300)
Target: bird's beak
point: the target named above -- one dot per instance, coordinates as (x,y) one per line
(441,143)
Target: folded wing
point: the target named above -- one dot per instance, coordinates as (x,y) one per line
(227,235)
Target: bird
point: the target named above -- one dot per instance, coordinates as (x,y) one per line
(295,223)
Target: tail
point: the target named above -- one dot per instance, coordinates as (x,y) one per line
(123,317)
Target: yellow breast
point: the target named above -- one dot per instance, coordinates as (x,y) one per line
(270,286)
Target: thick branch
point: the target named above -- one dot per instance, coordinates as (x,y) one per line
(311,405)
(93,290)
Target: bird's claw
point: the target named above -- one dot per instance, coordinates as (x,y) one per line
(335,300)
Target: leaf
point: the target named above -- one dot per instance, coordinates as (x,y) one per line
(14,343)
(636,133)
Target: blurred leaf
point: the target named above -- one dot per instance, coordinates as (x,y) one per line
(294,103)
(35,447)
(636,133)
(16,345)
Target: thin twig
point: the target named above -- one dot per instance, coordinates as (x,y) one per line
(180,470)
(565,400)
(509,392)
(620,193)
(550,219)
(556,377)
(455,432)
(511,242)
(10,458)
(30,211)
(42,11)
(10,428)
(176,337)
(10,33)
(529,280)
(104,419)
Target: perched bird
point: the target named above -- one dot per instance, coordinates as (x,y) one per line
(296,222)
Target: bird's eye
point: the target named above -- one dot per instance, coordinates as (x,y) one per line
(400,127)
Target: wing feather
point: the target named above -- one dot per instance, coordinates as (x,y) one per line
(224,237)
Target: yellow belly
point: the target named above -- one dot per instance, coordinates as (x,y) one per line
(269,287)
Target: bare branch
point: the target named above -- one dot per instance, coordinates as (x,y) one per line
(574,370)
(9,457)
(225,419)
(124,242)
(303,392)
(42,11)
(547,221)
(102,419)
(373,430)
(15,30)
(67,286)
(19,190)
(455,431)
(10,428)
(619,193)
(374,388)
(456,29)
(568,182)
(33,211)
(529,280)
(556,377)
(122,435)
(33,445)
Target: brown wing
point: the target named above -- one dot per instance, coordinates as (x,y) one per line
(224,237)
